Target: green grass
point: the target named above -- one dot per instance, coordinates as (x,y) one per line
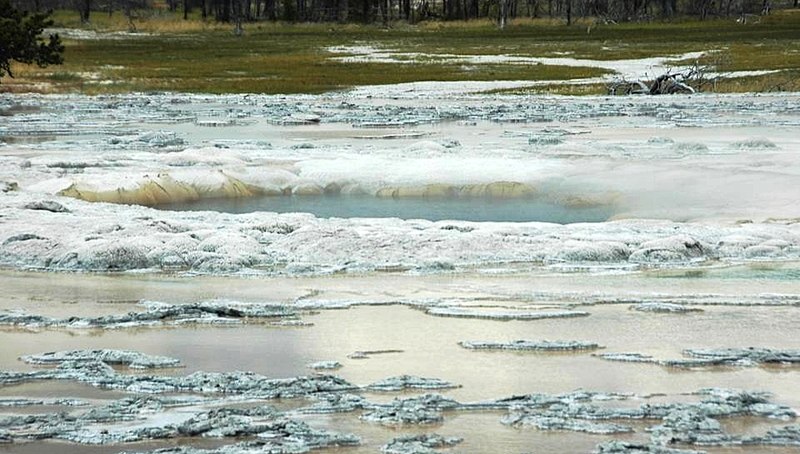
(263,62)
(783,81)
(197,56)
(557,89)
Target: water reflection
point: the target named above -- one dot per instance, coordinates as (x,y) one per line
(429,344)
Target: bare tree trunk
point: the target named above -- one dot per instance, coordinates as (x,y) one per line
(569,12)
(223,10)
(704,7)
(127,11)
(84,9)
(236,9)
(448,9)
(502,17)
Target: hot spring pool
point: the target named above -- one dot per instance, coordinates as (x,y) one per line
(434,209)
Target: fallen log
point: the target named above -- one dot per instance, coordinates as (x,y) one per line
(666,84)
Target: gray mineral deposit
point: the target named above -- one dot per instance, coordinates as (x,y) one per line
(366,354)
(752,355)
(531,345)
(681,423)
(736,357)
(419,444)
(325,365)
(128,358)
(665,308)
(22,402)
(335,402)
(501,314)
(279,437)
(101,375)
(556,423)
(424,409)
(402,382)
(161,314)
(622,447)
(46,205)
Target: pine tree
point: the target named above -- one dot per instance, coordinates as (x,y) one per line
(20,39)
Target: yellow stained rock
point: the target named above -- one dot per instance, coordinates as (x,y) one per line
(162,189)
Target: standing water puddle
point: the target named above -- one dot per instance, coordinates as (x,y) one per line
(428,346)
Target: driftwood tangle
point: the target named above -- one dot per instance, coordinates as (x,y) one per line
(668,83)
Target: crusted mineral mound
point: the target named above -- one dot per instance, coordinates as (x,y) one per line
(129,358)
(160,314)
(402,382)
(531,345)
(665,308)
(419,444)
(741,357)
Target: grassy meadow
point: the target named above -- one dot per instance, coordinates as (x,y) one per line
(168,53)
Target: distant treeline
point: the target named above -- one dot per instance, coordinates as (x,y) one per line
(386,11)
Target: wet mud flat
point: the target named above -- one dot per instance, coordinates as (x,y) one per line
(400,363)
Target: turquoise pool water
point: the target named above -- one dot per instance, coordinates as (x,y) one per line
(434,209)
